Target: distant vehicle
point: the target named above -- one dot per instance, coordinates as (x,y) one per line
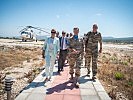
(28,34)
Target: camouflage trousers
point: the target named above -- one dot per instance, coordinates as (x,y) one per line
(91,56)
(74,63)
(82,56)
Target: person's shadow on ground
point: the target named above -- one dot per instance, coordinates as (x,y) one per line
(58,88)
(82,79)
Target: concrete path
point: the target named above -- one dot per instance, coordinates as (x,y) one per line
(59,88)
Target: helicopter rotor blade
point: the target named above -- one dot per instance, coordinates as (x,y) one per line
(23,30)
(43,28)
(39,29)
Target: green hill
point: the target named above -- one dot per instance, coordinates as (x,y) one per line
(128,40)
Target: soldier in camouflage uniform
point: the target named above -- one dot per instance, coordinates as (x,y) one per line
(74,56)
(91,49)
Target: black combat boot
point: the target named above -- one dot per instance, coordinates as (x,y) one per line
(94,75)
(71,78)
(88,73)
(76,83)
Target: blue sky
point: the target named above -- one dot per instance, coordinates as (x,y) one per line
(114,17)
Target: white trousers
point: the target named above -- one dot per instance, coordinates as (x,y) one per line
(50,61)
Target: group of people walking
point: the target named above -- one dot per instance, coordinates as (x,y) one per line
(74,48)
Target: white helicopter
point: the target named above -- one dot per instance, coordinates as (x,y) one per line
(28,34)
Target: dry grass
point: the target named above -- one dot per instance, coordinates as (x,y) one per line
(18,57)
(116,74)
(12,58)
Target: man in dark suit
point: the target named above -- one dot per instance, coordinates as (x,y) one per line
(63,51)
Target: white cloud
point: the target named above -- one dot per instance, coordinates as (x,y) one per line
(98,14)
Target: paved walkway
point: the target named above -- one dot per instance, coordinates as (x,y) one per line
(59,88)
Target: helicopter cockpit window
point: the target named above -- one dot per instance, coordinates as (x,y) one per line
(24,32)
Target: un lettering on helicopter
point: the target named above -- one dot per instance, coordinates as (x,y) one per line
(28,34)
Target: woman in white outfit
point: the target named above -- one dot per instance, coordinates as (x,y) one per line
(50,51)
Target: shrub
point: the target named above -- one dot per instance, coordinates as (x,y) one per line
(7,73)
(125,63)
(119,76)
(130,83)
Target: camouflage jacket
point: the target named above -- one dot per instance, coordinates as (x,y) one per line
(76,45)
(91,40)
